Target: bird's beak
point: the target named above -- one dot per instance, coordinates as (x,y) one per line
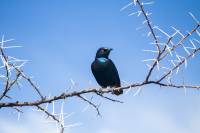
(110,49)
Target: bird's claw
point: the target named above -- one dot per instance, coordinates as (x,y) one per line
(100,91)
(112,89)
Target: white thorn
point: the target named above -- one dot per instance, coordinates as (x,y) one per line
(175,33)
(149,60)
(72,82)
(147,3)
(162,31)
(194,17)
(11,47)
(129,87)
(177,70)
(129,5)
(196,40)
(144,21)
(188,32)
(178,31)
(86,107)
(137,91)
(84,96)
(151,51)
(185,63)
(173,63)
(197,32)
(157,65)
(73,125)
(158,43)
(148,14)
(148,65)
(134,13)
(193,44)
(147,33)
(142,27)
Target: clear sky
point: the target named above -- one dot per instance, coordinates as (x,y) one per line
(60,39)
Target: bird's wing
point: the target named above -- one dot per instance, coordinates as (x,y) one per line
(112,65)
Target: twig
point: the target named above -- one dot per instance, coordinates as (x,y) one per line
(149,24)
(62,127)
(179,64)
(9,86)
(69,88)
(108,98)
(17,109)
(28,79)
(92,105)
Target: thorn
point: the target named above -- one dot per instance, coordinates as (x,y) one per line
(134,13)
(129,5)
(194,17)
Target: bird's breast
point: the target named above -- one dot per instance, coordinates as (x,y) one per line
(102,62)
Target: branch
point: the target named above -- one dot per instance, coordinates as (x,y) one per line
(28,79)
(108,98)
(62,127)
(92,105)
(77,93)
(9,86)
(5,62)
(17,109)
(149,25)
(180,42)
(157,60)
(179,64)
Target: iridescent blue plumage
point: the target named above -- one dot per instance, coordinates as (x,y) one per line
(104,70)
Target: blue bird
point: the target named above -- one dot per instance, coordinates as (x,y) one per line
(104,70)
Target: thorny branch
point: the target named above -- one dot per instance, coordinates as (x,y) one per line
(180,42)
(159,58)
(77,93)
(28,79)
(17,109)
(9,86)
(62,127)
(92,105)
(179,64)
(108,98)
(5,65)
(149,24)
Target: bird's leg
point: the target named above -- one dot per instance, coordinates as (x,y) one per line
(100,90)
(112,89)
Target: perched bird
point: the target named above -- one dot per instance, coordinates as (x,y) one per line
(104,70)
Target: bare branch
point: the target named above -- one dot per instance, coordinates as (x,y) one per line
(28,79)
(180,63)
(77,93)
(17,109)
(108,98)
(9,85)
(92,105)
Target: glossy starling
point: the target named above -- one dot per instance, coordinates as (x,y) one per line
(104,70)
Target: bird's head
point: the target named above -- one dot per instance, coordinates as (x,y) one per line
(103,52)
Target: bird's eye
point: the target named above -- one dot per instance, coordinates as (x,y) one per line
(102,50)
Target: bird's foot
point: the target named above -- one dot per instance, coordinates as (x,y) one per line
(100,91)
(112,90)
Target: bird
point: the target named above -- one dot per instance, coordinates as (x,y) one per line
(104,70)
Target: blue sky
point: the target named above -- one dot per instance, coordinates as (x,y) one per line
(60,39)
